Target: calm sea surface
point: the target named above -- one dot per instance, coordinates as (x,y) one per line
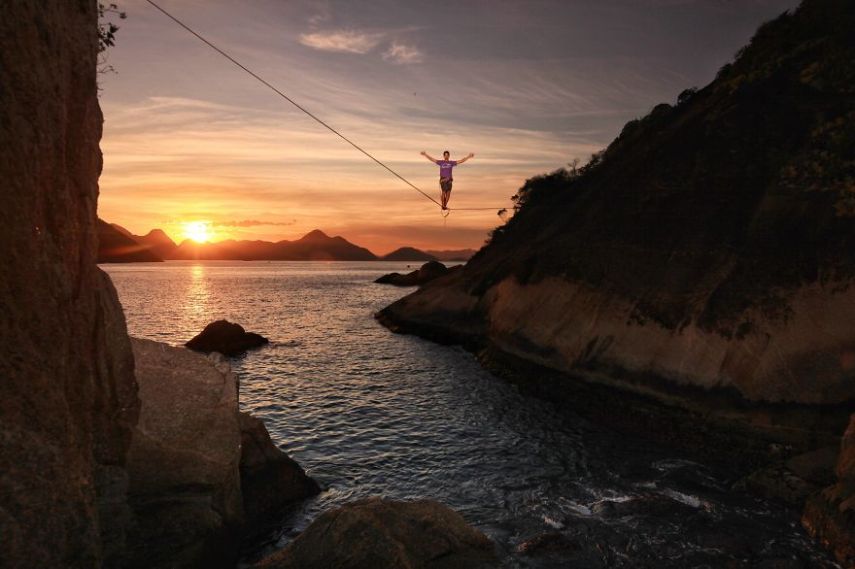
(368,412)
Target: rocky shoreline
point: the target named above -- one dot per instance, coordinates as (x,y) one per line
(201,473)
(787,452)
(715,426)
(694,281)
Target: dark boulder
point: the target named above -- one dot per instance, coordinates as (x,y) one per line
(796,479)
(184,488)
(384,534)
(426,273)
(226,338)
(269,478)
(69,394)
(830,515)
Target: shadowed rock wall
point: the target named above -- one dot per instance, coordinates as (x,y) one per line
(65,360)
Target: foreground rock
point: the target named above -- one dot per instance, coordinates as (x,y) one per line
(385,534)
(830,515)
(226,338)
(794,480)
(69,396)
(184,460)
(269,478)
(202,474)
(426,273)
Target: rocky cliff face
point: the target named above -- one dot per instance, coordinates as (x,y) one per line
(710,246)
(65,359)
(184,460)
(702,265)
(89,477)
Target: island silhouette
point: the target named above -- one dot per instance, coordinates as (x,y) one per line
(118,245)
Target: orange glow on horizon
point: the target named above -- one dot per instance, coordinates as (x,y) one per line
(198,231)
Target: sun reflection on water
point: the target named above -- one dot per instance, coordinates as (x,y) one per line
(198,297)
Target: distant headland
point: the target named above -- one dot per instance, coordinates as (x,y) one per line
(118,245)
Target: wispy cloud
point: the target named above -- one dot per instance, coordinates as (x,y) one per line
(403,54)
(251,223)
(187,137)
(323,14)
(347,41)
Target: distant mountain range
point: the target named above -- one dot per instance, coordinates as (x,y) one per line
(118,245)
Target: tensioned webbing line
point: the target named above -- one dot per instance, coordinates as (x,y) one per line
(264,82)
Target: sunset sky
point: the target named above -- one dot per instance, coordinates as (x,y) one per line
(525,85)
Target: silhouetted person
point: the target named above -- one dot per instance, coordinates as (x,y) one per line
(445,177)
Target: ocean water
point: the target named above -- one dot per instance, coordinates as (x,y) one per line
(367,413)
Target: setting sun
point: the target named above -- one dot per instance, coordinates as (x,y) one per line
(198,231)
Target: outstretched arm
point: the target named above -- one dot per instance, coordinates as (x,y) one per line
(429,157)
(465,158)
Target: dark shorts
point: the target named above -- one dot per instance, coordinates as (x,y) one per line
(445,184)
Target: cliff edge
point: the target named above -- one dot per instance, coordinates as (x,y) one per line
(70,397)
(701,265)
(711,245)
(98,469)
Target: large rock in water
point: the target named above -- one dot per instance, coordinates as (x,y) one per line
(269,478)
(830,515)
(426,273)
(69,395)
(201,473)
(184,460)
(385,534)
(226,338)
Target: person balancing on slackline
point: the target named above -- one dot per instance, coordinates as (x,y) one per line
(445,177)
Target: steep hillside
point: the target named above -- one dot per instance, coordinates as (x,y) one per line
(707,252)
(116,245)
(452,254)
(318,246)
(694,281)
(704,211)
(158,242)
(314,246)
(408,254)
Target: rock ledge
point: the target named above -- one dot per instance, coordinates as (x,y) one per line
(386,534)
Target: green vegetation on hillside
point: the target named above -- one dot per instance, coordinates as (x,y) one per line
(713,206)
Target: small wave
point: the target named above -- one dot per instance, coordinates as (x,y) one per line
(687,499)
(675,463)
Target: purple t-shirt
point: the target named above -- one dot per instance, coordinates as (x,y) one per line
(445,167)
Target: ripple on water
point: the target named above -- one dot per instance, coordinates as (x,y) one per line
(368,412)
